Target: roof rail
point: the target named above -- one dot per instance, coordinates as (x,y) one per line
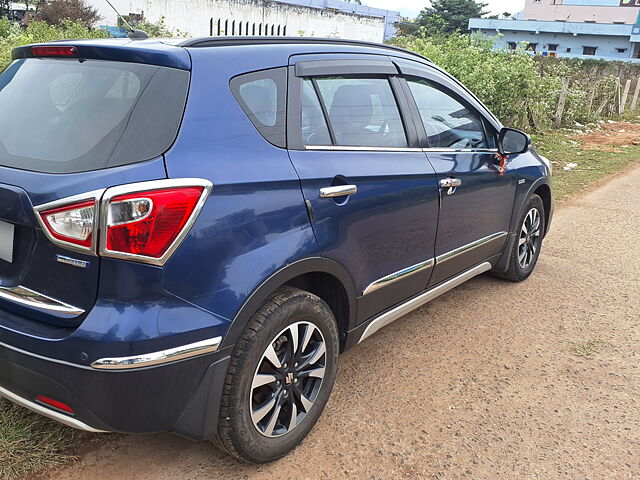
(225,41)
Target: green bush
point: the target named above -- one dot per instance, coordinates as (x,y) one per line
(38,32)
(521,89)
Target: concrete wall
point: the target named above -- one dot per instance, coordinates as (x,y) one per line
(201,17)
(601,11)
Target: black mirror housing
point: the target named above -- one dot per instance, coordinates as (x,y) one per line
(513,142)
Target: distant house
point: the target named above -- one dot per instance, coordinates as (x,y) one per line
(315,18)
(604,29)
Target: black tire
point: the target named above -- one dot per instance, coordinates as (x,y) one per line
(272,327)
(518,271)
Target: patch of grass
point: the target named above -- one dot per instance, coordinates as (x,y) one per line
(31,443)
(587,348)
(563,147)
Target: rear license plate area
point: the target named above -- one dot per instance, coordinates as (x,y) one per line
(7,234)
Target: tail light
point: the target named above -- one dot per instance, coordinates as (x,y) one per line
(54,51)
(143,222)
(71,222)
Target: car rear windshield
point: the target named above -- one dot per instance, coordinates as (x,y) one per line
(65,116)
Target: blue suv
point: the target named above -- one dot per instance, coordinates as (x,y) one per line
(192,231)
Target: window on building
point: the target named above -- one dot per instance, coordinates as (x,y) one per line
(532,47)
(621,50)
(553,47)
(568,49)
(262,96)
(448,122)
(362,112)
(589,50)
(513,45)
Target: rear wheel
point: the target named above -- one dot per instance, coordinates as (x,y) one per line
(526,249)
(280,376)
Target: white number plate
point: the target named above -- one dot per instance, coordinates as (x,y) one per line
(6,241)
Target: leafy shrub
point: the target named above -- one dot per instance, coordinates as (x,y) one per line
(521,89)
(38,32)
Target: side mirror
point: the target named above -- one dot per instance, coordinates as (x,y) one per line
(512,141)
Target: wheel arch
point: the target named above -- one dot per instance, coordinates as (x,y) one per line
(321,276)
(539,187)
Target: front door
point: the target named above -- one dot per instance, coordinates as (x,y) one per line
(476,196)
(372,195)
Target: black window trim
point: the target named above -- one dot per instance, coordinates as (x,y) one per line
(294,107)
(417,118)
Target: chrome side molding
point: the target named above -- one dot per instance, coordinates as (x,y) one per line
(47,412)
(388,279)
(415,302)
(341,148)
(158,358)
(30,298)
(470,246)
(393,277)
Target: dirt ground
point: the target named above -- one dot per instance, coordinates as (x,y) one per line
(612,137)
(538,380)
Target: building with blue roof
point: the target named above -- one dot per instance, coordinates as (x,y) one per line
(603,29)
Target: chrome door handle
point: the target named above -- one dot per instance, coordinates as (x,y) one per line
(338,191)
(450,182)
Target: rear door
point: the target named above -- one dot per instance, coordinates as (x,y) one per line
(476,197)
(71,128)
(370,192)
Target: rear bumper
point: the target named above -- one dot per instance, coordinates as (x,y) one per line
(182,396)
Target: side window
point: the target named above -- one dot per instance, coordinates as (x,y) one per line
(362,112)
(262,96)
(449,123)
(313,123)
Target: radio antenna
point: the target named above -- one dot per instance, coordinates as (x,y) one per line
(134,34)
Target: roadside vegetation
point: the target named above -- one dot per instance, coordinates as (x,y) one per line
(31,443)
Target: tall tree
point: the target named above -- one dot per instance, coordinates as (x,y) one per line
(448,16)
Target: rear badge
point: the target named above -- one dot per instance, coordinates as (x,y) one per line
(74,262)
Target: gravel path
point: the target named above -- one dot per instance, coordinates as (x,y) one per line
(482,383)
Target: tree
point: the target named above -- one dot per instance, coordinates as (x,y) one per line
(448,16)
(56,12)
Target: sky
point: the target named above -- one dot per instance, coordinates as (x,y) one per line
(406,6)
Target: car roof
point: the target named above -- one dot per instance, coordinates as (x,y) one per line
(173,52)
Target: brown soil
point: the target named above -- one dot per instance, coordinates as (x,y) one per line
(611,136)
(494,380)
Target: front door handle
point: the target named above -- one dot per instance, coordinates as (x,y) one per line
(338,191)
(451,184)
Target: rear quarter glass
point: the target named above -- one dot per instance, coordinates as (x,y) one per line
(68,116)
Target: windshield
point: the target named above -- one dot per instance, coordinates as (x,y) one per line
(64,116)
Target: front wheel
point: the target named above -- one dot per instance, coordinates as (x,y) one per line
(280,376)
(526,249)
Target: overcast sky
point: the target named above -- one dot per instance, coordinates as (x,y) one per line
(496,6)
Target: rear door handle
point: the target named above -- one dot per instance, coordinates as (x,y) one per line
(338,191)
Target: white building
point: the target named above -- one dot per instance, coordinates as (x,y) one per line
(313,18)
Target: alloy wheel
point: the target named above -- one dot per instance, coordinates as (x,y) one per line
(288,379)
(530,237)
